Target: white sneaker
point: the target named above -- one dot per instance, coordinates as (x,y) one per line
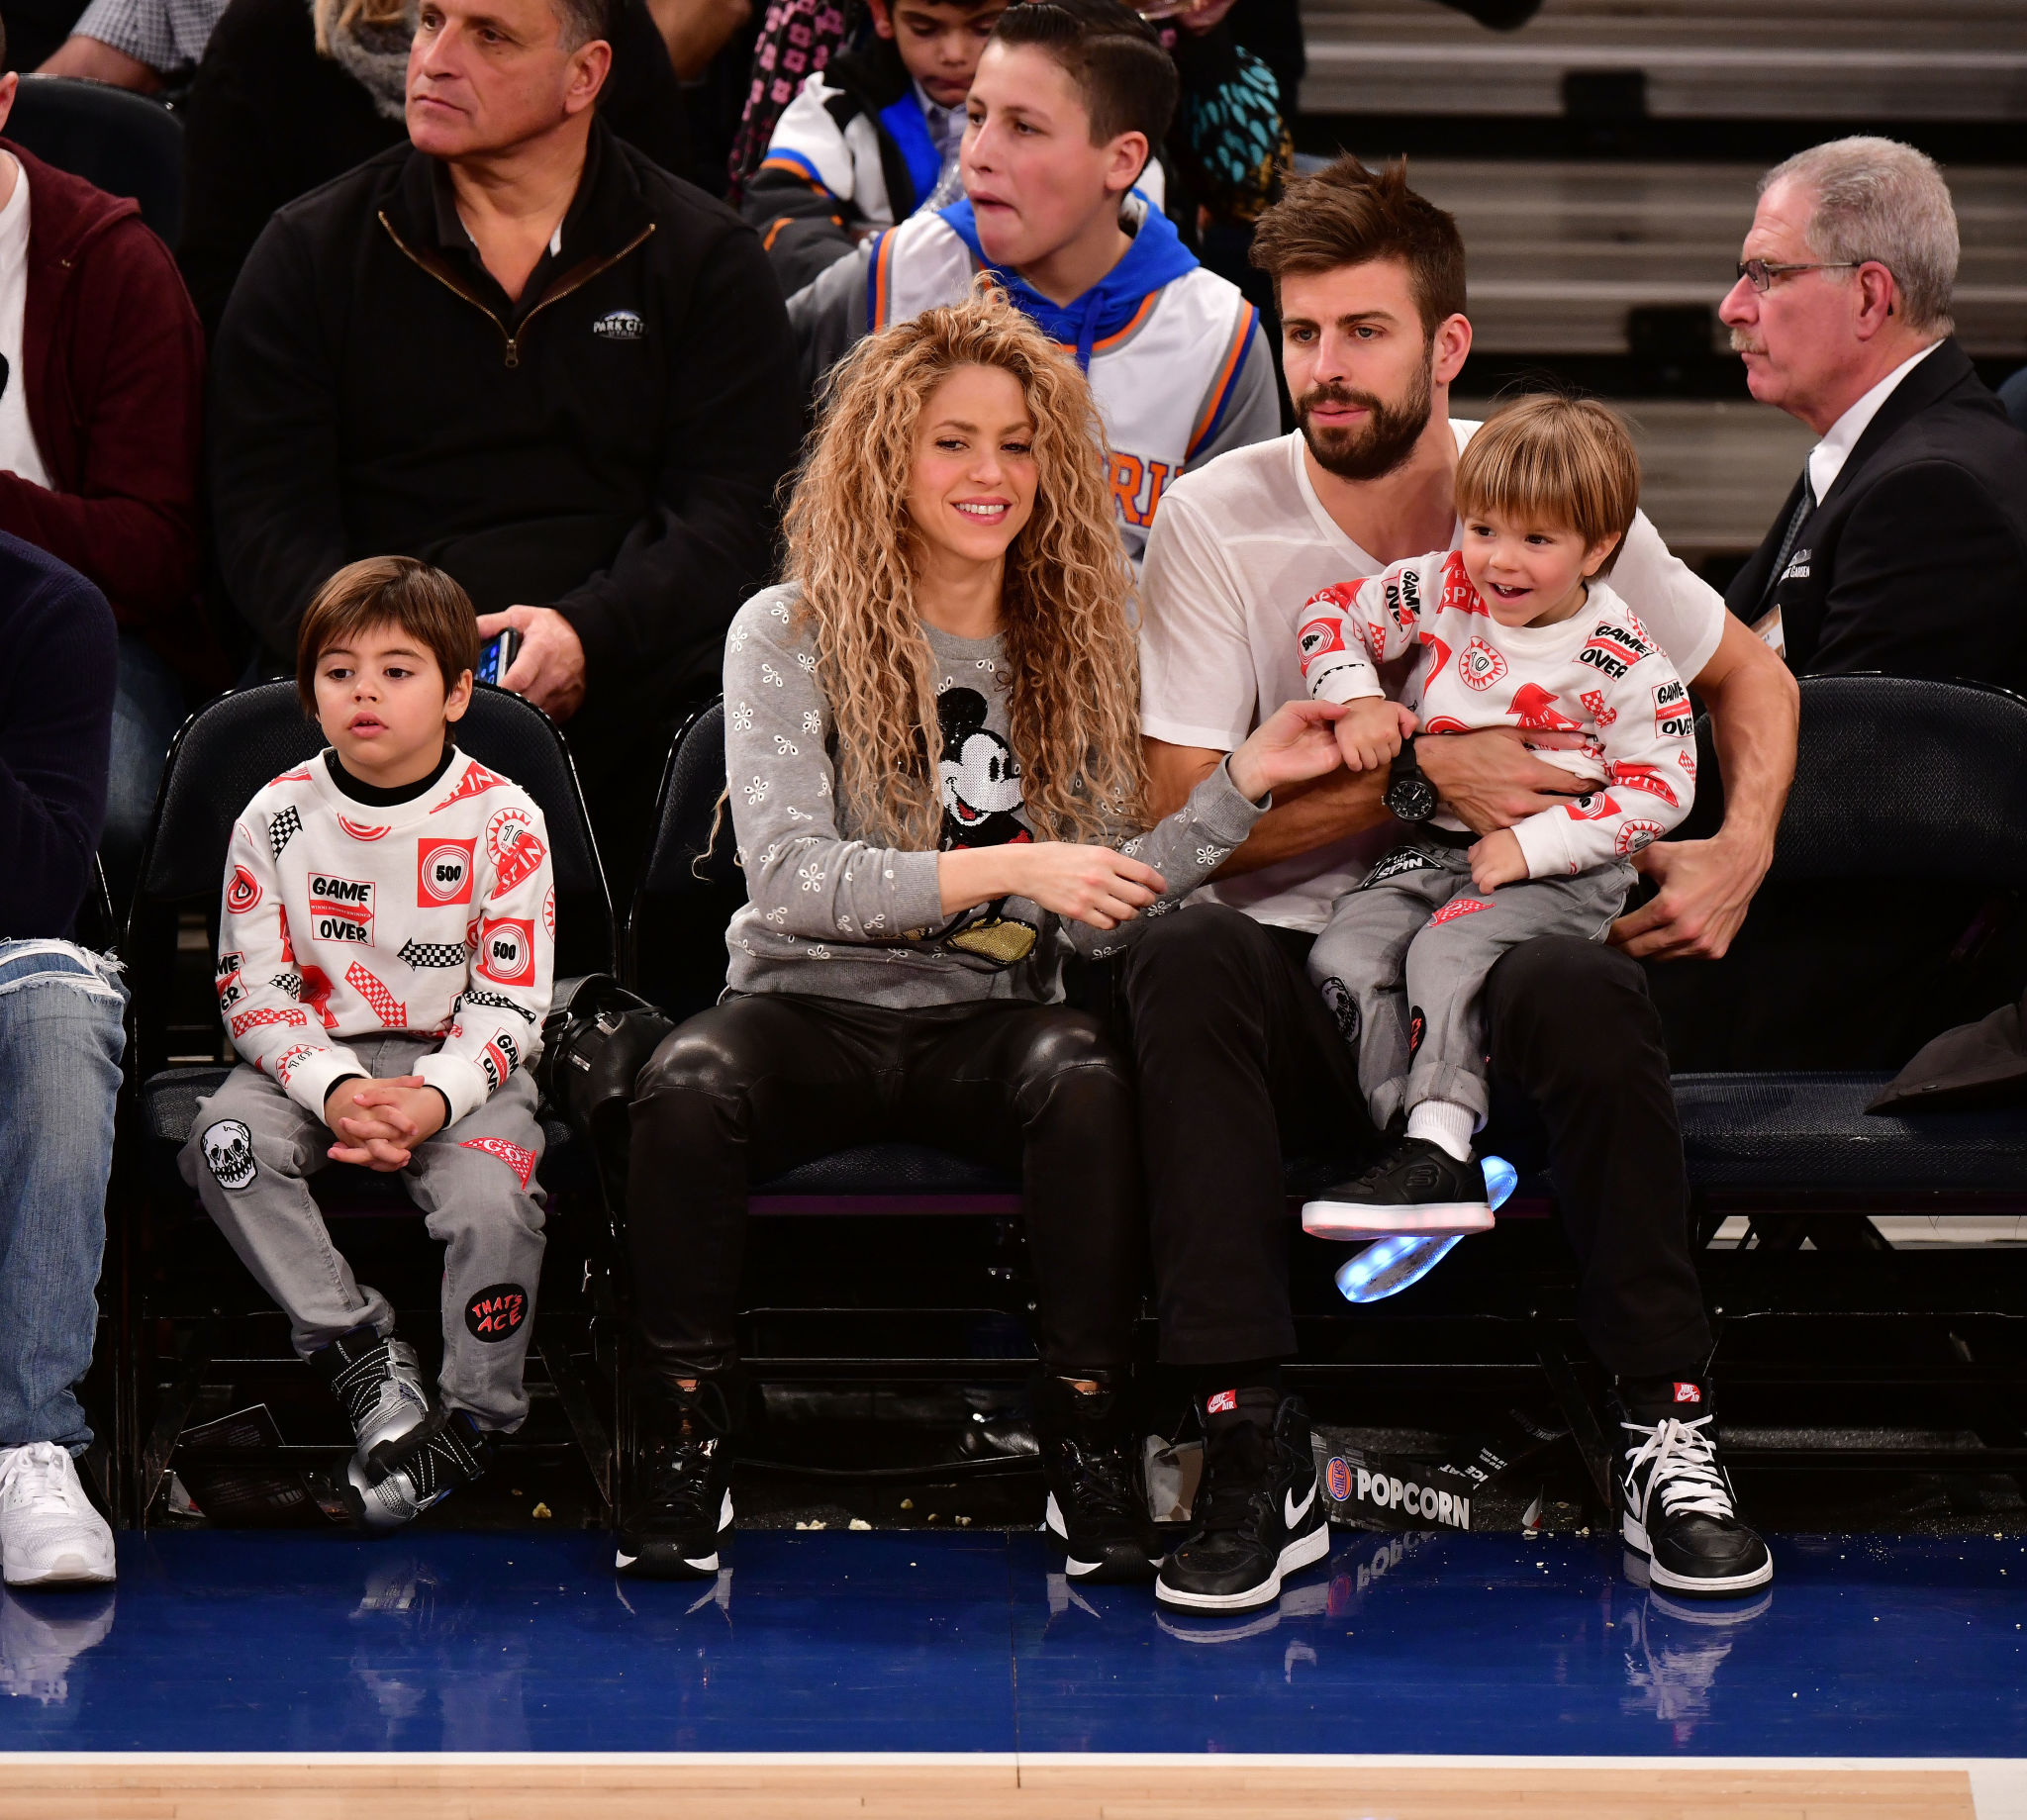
(50,1534)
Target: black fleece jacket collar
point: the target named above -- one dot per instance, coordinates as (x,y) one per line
(606,216)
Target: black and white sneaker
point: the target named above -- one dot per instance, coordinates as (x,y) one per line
(1415,1187)
(680,1514)
(405,1476)
(1097,1499)
(1258,1513)
(1677,1509)
(377,1384)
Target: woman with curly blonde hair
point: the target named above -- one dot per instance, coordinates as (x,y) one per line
(933,752)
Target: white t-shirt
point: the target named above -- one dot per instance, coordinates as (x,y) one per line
(1237,548)
(18,451)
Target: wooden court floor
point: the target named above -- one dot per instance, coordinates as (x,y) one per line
(973,1789)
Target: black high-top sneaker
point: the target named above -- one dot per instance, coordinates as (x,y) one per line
(1413,1187)
(377,1384)
(405,1476)
(1674,1497)
(1258,1514)
(679,1514)
(1098,1502)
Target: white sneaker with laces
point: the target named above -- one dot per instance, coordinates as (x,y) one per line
(50,1534)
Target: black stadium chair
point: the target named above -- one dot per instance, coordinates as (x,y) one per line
(675,957)
(225,753)
(1898,779)
(121,141)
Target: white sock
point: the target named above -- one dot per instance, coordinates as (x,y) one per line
(1446,1124)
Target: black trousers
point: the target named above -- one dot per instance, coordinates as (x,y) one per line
(1239,1059)
(762,1083)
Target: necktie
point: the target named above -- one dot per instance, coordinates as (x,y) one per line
(1796,519)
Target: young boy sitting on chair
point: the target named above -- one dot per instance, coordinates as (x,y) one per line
(1517,629)
(386,951)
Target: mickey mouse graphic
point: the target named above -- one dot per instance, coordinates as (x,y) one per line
(978,775)
(981,783)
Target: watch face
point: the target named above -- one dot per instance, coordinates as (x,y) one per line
(1412,799)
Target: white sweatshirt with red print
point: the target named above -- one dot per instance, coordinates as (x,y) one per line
(435,917)
(1597,673)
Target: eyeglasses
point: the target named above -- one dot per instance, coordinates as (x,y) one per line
(1762,272)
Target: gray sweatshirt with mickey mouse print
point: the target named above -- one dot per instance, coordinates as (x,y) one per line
(831,915)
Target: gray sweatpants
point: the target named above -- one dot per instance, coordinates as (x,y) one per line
(250,1158)
(1401,965)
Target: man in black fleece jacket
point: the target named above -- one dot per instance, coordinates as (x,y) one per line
(519,350)
(60,1041)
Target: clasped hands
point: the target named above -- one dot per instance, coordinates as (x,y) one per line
(379,1124)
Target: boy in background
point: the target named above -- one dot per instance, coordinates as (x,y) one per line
(871,138)
(386,953)
(1069,101)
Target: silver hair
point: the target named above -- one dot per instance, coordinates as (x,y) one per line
(582,20)
(1878,199)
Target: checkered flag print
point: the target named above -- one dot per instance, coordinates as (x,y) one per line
(420,954)
(283,828)
(393,1014)
(498,1002)
(290,983)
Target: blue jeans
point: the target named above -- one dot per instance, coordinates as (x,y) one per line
(60,1042)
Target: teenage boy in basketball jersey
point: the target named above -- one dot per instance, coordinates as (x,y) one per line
(872,137)
(1069,97)
(385,960)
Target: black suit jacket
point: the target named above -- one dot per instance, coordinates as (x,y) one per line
(1917,561)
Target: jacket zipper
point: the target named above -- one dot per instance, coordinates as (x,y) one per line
(576,281)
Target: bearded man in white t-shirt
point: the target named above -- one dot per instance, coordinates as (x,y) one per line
(1238,1056)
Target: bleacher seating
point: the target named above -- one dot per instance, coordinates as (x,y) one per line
(1711,60)
(1562,253)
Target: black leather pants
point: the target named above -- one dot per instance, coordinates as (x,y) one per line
(762,1083)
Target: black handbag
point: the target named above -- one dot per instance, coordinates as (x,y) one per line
(596,1039)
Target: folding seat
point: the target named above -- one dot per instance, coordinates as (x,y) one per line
(125,144)
(1898,779)
(675,956)
(192,1314)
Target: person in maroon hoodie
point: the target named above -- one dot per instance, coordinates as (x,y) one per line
(100,427)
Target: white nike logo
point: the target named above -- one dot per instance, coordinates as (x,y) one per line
(1293,1513)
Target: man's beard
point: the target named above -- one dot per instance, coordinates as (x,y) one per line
(1382,443)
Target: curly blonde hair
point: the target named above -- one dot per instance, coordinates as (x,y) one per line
(1073,670)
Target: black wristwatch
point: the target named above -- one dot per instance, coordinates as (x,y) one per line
(1410,795)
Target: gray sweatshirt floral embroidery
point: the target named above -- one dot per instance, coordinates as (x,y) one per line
(831,915)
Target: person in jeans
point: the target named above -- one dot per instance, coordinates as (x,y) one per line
(935,779)
(60,1041)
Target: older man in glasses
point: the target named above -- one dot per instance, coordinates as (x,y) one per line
(1903,547)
